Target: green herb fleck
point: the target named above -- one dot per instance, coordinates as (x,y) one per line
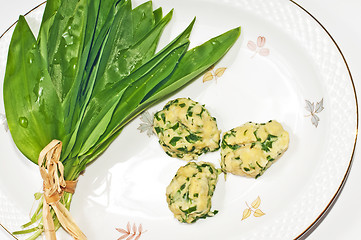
(183,149)
(175,126)
(174,141)
(157,116)
(224,144)
(192,138)
(234,147)
(189,210)
(158,129)
(200,114)
(189,111)
(255,134)
(252,166)
(267,144)
(259,165)
(186,196)
(182,187)
(163,117)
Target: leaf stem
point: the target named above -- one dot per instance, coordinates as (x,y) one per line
(36,234)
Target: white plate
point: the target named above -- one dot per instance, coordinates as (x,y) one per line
(298,77)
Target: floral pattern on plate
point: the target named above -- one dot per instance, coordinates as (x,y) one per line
(254,208)
(4,122)
(147,123)
(258,47)
(214,74)
(131,232)
(313,109)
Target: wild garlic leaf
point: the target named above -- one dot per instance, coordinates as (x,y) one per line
(32,106)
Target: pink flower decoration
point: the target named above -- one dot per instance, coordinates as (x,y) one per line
(131,232)
(264,52)
(252,46)
(259,47)
(261,41)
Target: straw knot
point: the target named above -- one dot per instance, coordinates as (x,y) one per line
(54,186)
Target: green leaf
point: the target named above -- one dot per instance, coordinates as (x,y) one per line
(31,102)
(100,149)
(119,38)
(67,57)
(139,84)
(106,17)
(158,15)
(65,44)
(133,95)
(50,11)
(94,125)
(195,62)
(124,58)
(143,20)
(106,14)
(180,40)
(82,81)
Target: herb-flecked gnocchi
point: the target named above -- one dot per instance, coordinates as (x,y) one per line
(186,129)
(190,191)
(249,150)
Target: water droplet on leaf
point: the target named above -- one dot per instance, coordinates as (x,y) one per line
(31,57)
(23,121)
(69,39)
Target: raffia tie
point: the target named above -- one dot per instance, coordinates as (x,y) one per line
(54,185)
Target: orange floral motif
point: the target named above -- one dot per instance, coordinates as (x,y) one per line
(131,232)
(258,47)
(213,74)
(254,208)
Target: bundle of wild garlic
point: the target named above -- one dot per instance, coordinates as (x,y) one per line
(93,67)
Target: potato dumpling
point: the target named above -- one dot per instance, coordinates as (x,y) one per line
(186,129)
(250,149)
(190,191)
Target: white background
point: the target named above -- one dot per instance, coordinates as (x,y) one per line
(341,19)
